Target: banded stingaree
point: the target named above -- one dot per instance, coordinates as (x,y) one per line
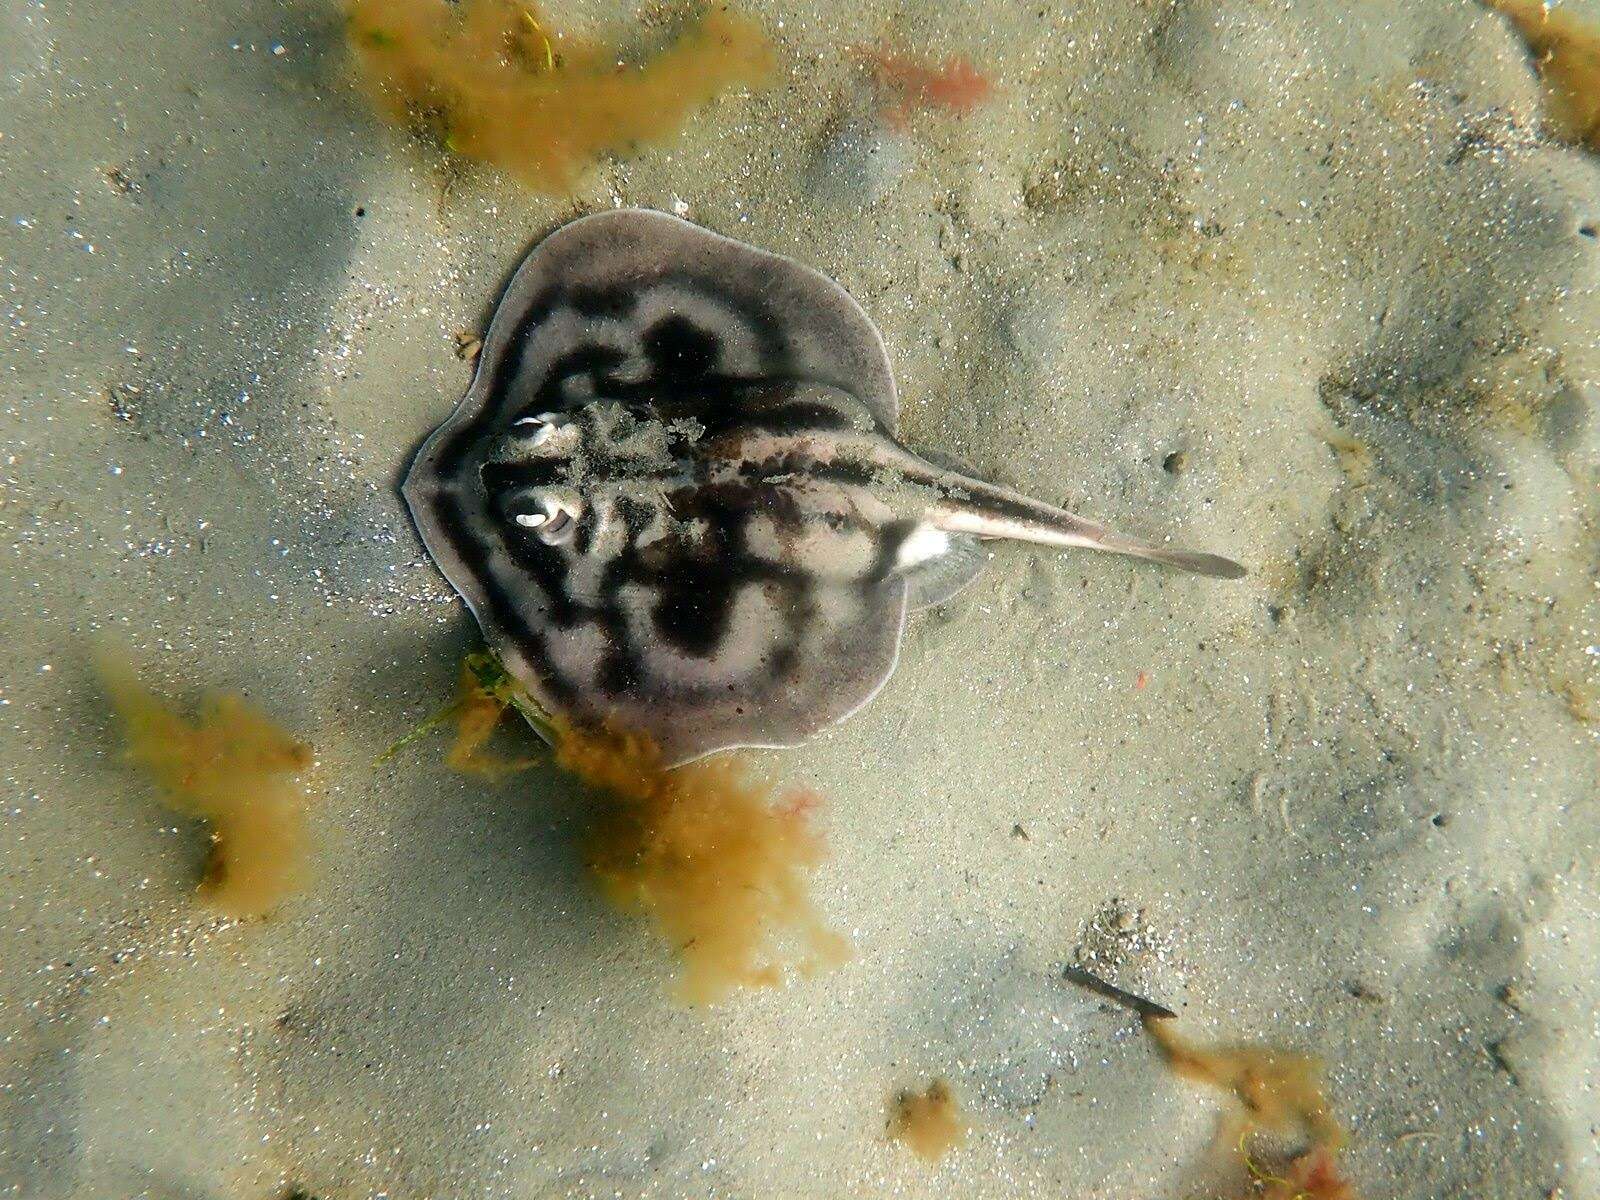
(674,499)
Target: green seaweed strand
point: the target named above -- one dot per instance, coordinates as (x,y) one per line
(490,674)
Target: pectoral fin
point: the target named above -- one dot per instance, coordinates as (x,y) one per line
(937,578)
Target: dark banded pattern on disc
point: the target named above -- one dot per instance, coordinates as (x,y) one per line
(705,607)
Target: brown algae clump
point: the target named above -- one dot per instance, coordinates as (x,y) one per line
(1279,1093)
(483,695)
(702,850)
(930,1123)
(1567,53)
(494,83)
(234,768)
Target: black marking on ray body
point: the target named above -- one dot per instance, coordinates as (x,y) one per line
(620,668)
(583,533)
(636,517)
(593,302)
(845,472)
(780,505)
(798,416)
(693,610)
(680,350)
(619,672)
(547,568)
(592,360)
(698,596)
(500,477)
(455,450)
(780,420)
(525,639)
(676,346)
(887,551)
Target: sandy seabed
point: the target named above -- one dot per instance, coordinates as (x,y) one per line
(1306,284)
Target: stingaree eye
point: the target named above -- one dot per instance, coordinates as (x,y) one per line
(559,527)
(538,428)
(552,521)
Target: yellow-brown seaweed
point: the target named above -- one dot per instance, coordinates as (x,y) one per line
(483,694)
(704,851)
(929,1123)
(1278,1092)
(233,768)
(496,84)
(1567,53)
